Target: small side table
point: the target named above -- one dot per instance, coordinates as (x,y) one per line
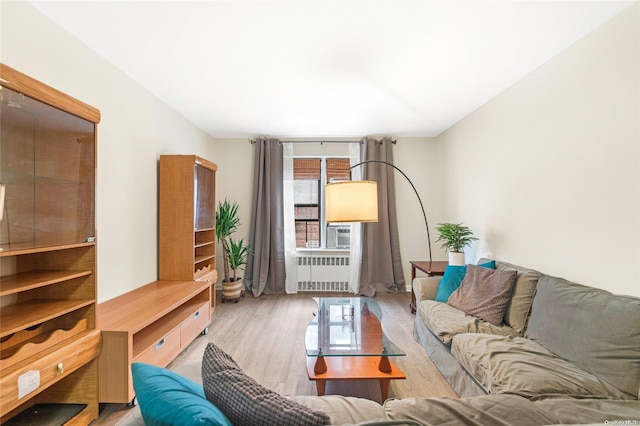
(437,269)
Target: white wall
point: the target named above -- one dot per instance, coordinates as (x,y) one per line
(548,172)
(136,128)
(423,161)
(234,181)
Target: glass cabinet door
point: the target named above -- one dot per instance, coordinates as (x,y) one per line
(47,169)
(204,198)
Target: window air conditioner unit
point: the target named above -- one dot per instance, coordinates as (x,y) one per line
(339,236)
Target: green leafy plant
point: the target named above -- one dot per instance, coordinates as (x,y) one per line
(227,222)
(236,252)
(455,236)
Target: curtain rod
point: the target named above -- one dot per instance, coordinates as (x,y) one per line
(253,141)
(320,142)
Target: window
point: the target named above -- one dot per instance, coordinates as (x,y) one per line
(310,175)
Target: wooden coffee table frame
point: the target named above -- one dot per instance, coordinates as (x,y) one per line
(353,368)
(371,364)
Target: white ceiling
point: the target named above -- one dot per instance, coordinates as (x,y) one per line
(328,68)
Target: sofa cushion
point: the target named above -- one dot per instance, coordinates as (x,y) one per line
(445,321)
(167,398)
(452,278)
(481,410)
(520,366)
(342,409)
(425,288)
(244,401)
(594,411)
(484,293)
(524,289)
(592,328)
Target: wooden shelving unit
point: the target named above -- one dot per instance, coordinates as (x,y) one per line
(154,323)
(49,342)
(187,220)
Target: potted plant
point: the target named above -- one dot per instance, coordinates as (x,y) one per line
(227,222)
(455,237)
(236,252)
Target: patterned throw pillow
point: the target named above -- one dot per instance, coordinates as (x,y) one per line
(244,401)
(484,293)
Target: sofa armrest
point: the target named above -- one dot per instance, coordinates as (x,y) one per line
(425,288)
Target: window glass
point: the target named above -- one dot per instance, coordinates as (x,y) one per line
(310,176)
(338,169)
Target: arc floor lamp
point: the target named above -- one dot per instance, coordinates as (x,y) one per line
(357,201)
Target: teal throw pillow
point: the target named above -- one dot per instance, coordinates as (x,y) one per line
(453,275)
(167,398)
(490,264)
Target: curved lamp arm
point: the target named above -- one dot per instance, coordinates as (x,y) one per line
(414,190)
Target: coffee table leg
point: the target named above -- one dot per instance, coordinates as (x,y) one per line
(321,384)
(384,388)
(384,364)
(321,366)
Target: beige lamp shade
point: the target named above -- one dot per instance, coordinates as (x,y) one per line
(351,201)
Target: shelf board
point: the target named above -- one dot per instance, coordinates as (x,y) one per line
(39,342)
(23,281)
(199,259)
(33,312)
(155,300)
(204,229)
(29,248)
(205,243)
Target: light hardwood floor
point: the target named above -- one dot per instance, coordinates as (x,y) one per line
(265,336)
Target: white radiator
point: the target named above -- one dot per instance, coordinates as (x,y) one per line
(323,273)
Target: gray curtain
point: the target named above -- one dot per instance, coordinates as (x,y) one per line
(265,270)
(381,267)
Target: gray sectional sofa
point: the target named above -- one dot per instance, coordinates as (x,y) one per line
(557,339)
(563,354)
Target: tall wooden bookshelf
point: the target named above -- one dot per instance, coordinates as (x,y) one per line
(187,239)
(48,284)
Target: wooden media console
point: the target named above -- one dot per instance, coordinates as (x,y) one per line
(151,324)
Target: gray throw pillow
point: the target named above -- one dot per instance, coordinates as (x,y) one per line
(524,289)
(244,401)
(484,293)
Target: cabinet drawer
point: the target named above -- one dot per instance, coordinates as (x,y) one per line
(192,326)
(52,365)
(163,351)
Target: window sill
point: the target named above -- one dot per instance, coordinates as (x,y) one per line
(310,250)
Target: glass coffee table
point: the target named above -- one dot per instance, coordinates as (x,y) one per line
(345,341)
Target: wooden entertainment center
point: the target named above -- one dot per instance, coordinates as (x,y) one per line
(49,341)
(154,323)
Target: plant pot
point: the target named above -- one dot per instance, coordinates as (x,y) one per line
(232,290)
(456,258)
